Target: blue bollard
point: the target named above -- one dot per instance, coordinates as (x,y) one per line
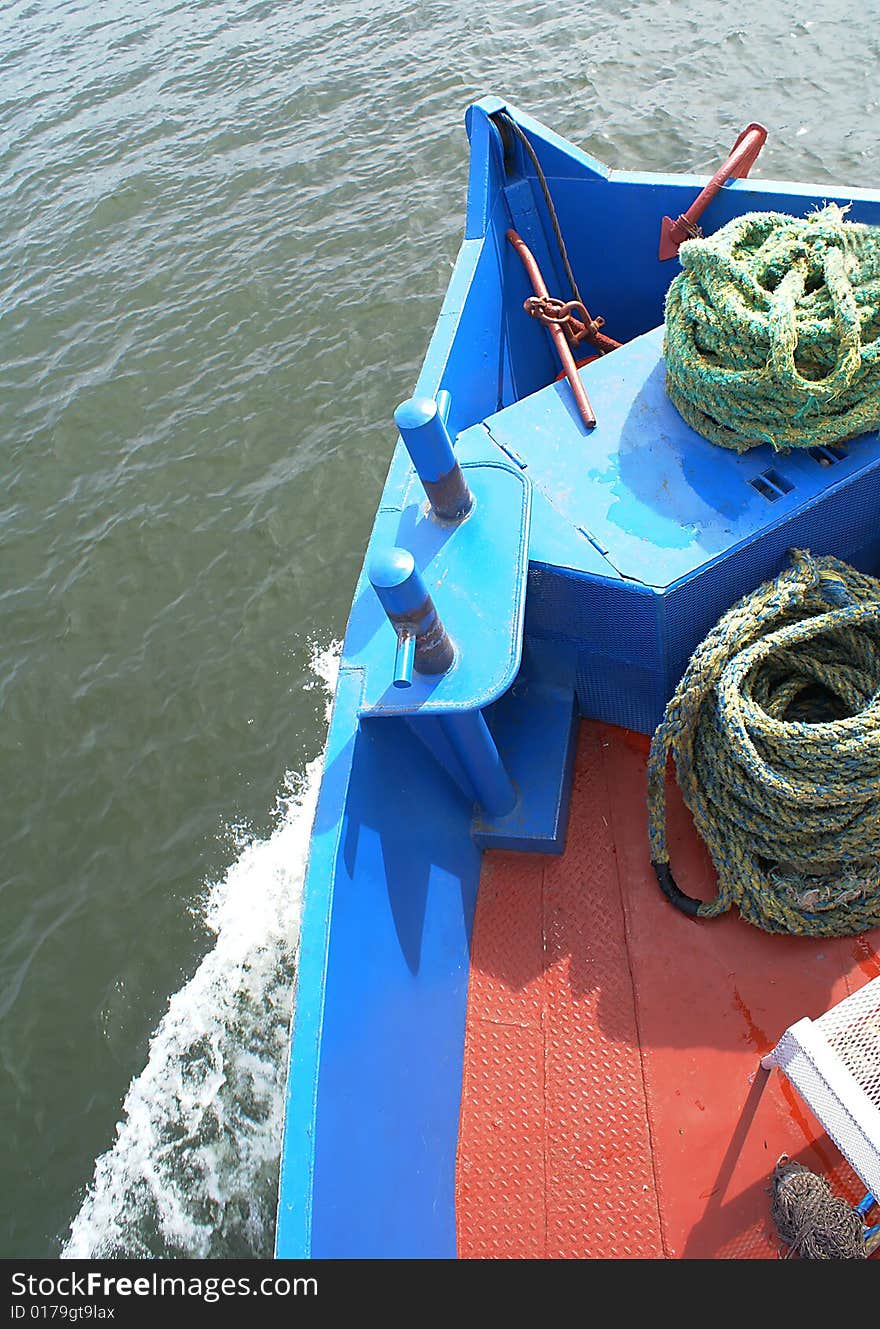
(422,642)
(427,440)
(475,748)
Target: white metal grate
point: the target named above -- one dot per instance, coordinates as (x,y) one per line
(834,1063)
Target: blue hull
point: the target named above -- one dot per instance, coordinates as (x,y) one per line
(591,566)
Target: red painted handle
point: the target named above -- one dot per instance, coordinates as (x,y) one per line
(738,164)
(563,349)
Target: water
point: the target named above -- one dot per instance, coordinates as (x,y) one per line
(224,235)
(196,1152)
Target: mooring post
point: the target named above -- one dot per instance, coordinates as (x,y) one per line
(422,641)
(423,430)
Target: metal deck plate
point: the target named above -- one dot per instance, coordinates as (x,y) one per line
(612,1100)
(656,499)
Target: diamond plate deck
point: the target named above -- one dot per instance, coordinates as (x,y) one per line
(613,1104)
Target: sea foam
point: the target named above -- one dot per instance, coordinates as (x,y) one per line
(193,1169)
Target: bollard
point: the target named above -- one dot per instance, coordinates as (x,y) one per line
(422,642)
(444,404)
(427,440)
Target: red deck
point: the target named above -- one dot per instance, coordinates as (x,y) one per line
(613,1104)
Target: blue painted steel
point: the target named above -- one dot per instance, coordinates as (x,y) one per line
(402,592)
(475,748)
(422,641)
(865,1205)
(397,968)
(374,1088)
(535,727)
(398,583)
(293,1234)
(476,574)
(426,437)
(404,597)
(654,511)
(486,173)
(429,730)
(368,1156)
(422,426)
(656,498)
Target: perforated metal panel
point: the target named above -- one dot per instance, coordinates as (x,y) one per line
(615,632)
(834,1062)
(852,1029)
(843,521)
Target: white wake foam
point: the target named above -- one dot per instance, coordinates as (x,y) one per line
(193,1170)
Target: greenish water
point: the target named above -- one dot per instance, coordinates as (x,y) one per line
(224,235)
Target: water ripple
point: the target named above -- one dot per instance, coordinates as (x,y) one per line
(224,237)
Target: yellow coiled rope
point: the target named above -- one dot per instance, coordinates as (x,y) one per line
(775,731)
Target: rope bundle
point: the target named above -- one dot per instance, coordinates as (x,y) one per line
(812,1221)
(773,331)
(775,730)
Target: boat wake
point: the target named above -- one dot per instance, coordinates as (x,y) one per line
(193,1170)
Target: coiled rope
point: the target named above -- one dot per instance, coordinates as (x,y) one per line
(773,331)
(813,1222)
(775,731)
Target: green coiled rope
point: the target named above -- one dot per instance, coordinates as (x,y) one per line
(773,331)
(775,731)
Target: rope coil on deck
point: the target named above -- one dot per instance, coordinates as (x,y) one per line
(813,1222)
(773,331)
(775,731)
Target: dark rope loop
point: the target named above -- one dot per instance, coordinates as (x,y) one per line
(813,1223)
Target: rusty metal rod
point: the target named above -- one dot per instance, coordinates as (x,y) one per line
(741,160)
(560,341)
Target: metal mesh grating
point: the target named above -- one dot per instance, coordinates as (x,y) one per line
(834,1063)
(852,1030)
(618,619)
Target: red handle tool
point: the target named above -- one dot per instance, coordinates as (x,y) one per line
(738,164)
(555,326)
